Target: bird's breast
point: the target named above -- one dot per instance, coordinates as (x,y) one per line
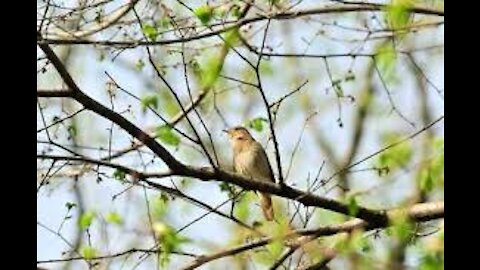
(250,164)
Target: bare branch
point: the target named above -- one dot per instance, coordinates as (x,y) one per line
(280,16)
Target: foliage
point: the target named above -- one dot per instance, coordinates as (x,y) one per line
(167,136)
(182,71)
(257,123)
(86,219)
(397,156)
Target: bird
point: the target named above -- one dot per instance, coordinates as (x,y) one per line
(250,160)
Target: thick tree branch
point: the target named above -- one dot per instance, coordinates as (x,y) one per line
(206,174)
(98,108)
(143,177)
(54,93)
(417,213)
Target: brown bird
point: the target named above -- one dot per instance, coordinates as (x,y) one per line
(250,160)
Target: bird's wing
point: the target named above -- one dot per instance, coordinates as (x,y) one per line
(262,164)
(233,164)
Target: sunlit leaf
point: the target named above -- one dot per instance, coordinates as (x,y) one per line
(398,13)
(204,13)
(139,64)
(232,37)
(402,228)
(210,71)
(159,206)
(119,174)
(88,252)
(426,180)
(167,136)
(169,240)
(352,206)
(150,32)
(114,218)
(432,261)
(242,207)
(149,101)
(397,156)
(86,219)
(257,123)
(276,247)
(385,60)
(235,11)
(266,68)
(163,22)
(168,103)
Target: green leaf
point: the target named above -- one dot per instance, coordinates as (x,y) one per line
(86,219)
(398,13)
(438,144)
(139,64)
(114,218)
(119,174)
(386,61)
(211,71)
(164,22)
(266,68)
(235,11)
(72,130)
(358,242)
(167,136)
(275,248)
(232,37)
(204,13)
(225,187)
(432,261)
(426,180)
(397,156)
(242,207)
(220,12)
(402,228)
(88,252)
(149,101)
(352,206)
(159,206)
(168,103)
(257,123)
(169,241)
(150,32)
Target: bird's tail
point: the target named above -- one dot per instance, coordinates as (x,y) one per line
(267,206)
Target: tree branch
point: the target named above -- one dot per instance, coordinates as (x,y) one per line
(417,213)
(205,174)
(278,16)
(105,23)
(54,93)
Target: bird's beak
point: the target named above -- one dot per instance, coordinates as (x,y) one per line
(226,131)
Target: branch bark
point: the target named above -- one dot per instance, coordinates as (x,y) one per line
(205,174)
(105,23)
(417,213)
(278,16)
